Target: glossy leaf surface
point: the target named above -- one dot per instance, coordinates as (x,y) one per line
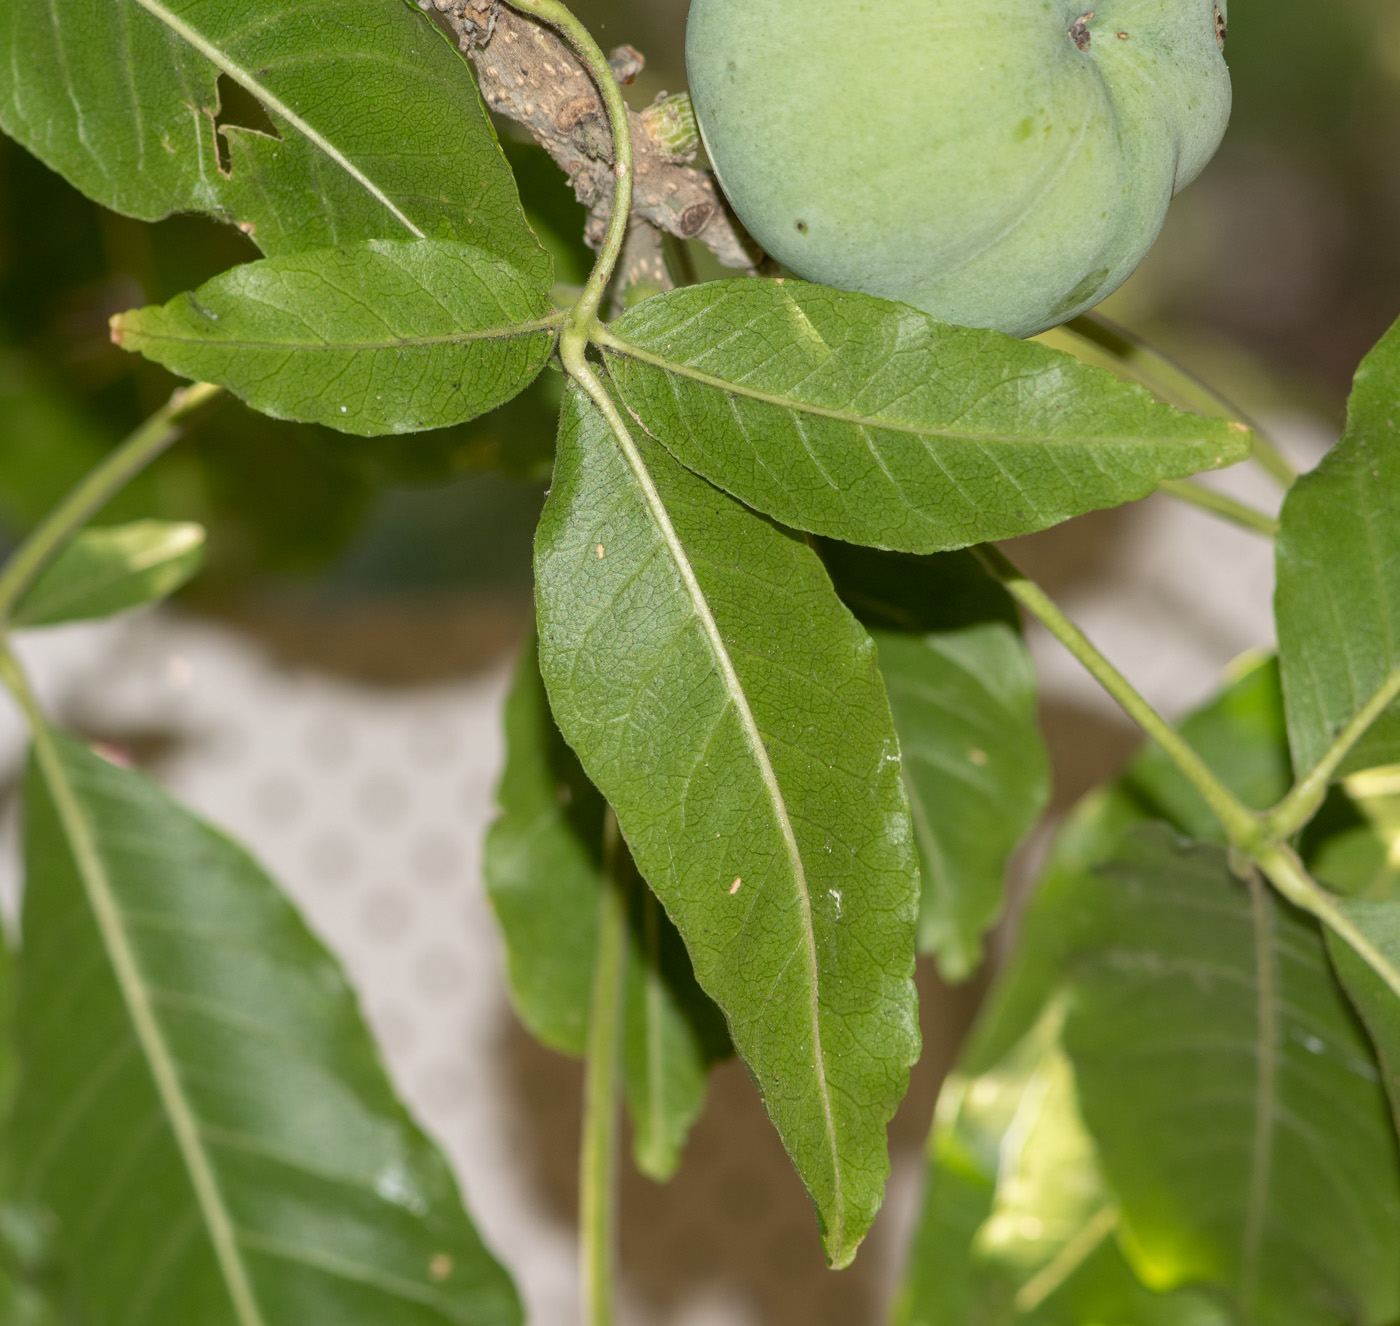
(731,711)
(201,1107)
(544,871)
(1338,601)
(870,422)
(963,694)
(382,337)
(108,570)
(1235,1102)
(122,97)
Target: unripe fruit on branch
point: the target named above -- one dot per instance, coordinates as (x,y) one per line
(997,163)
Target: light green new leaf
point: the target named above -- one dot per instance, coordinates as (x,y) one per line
(381,337)
(1236,1103)
(545,874)
(201,1107)
(1019,1225)
(871,422)
(731,711)
(108,570)
(1338,601)
(962,691)
(377,130)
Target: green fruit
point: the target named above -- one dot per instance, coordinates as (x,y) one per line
(997,163)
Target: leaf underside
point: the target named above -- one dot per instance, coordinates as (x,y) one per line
(730,709)
(201,1107)
(1233,1097)
(1338,600)
(868,421)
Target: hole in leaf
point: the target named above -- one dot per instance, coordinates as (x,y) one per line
(238,109)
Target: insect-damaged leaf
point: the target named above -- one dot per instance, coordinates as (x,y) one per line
(545,874)
(201,1108)
(1338,603)
(376,127)
(868,421)
(730,709)
(380,337)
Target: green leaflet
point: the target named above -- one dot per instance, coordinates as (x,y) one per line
(1235,1102)
(201,1107)
(544,873)
(870,422)
(1338,600)
(119,96)
(962,691)
(108,570)
(381,337)
(1240,735)
(731,711)
(1376,1002)
(1019,1225)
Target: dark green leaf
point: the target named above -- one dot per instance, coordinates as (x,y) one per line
(1019,1225)
(382,337)
(1338,603)
(1240,734)
(730,709)
(1235,1102)
(1374,999)
(545,875)
(201,1106)
(962,690)
(108,570)
(371,126)
(871,422)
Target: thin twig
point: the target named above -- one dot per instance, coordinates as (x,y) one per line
(1227,508)
(98,488)
(529,75)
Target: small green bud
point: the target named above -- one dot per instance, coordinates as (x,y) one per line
(670,124)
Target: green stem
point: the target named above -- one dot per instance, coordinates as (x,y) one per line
(1282,866)
(1121,342)
(160,431)
(574,338)
(1304,801)
(1237,513)
(598,1157)
(1240,822)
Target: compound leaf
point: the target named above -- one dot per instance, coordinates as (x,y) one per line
(201,1107)
(371,124)
(731,711)
(1338,600)
(381,337)
(963,694)
(545,875)
(1234,1099)
(871,422)
(108,570)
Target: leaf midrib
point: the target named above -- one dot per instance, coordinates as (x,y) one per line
(610,341)
(518,329)
(245,79)
(754,738)
(184,1123)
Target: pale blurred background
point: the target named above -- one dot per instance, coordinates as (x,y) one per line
(329,689)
